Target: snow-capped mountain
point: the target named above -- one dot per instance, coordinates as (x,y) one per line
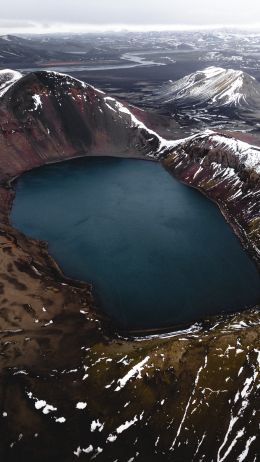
(213,87)
(7,78)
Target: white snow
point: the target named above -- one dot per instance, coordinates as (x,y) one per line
(239,435)
(136,370)
(126,425)
(117,107)
(60,420)
(248,155)
(7,78)
(244,454)
(190,400)
(87,450)
(46,408)
(40,404)
(37,102)
(111,438)
(49,408)
(80,405)
(96,425)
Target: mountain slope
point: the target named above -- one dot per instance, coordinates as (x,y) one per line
(227,170)
(51,115)
(214,87)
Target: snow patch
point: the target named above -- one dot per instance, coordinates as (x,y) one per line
(136,370)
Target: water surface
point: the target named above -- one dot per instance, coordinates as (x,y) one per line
(158,252)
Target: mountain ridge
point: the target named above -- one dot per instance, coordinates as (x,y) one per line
(48,112)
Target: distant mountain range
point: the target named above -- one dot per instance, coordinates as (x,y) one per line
(23,52)
(17,50)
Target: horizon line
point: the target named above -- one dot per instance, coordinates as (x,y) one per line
(36,28)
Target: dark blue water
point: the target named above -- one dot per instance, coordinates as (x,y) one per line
(157,252)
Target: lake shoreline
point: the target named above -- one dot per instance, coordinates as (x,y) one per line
(10,191)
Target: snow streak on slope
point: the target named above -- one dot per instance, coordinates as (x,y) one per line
(135,123)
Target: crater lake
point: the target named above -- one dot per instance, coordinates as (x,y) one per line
(157,252)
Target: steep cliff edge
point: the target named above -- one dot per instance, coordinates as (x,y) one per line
(227,171)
